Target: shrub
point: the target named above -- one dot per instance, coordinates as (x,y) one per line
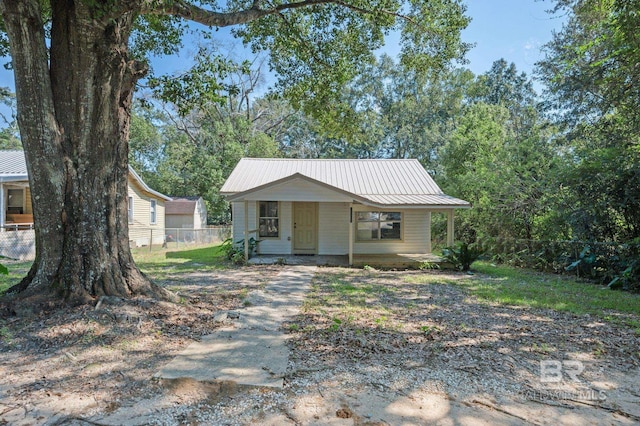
(463,256)
(235,251)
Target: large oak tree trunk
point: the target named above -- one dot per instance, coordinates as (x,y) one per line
(73,112)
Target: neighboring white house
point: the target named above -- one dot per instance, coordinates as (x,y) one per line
(146,206)
(186,212)
(146,212)
(16,211)
(337,207)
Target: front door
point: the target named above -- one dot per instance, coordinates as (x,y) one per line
(305,230)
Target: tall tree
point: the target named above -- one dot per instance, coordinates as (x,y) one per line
(75,76)
(499,157)
(591,69)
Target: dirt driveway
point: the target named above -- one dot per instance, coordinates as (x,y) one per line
(369,348)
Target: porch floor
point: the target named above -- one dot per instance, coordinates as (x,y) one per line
(359,260)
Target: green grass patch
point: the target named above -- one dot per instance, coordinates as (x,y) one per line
(509,285)
(353,295)
(427,278)
(159,263)
(17,271)
(155,263)
(521,287)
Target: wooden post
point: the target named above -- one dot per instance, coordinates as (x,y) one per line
(2,208)
(450,229)
(246,231)
(350,234)
(428,236)
(150,239)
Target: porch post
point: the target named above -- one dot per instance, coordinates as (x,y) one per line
(3,209)
(428,231)
(450,229)
(246,230)
(350,234)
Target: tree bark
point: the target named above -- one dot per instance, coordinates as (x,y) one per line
(73,112)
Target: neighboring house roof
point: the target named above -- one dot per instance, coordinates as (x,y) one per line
(13,167)
(146,187)
(181,205)
(374,182)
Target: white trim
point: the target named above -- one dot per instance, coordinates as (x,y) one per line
(278,218)
(3,210)
(24,198)
(146,187)
(450,228)
(351,236)
(130,210)
(428,236)
(153,211)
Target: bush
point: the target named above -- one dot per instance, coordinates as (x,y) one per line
(463,256)
(235,251)
(614,264)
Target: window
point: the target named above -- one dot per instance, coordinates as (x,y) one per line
(373,226)
(268,221)
(130,209)
(152,210)
(15,202)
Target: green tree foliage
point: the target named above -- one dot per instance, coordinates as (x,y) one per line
(194,155)
(591,68)
(9,134)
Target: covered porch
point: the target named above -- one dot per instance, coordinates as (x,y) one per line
(384,261)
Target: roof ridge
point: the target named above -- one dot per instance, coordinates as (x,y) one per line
(330,159)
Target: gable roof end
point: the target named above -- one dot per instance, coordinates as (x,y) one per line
(146,187)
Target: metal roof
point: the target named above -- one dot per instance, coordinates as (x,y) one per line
(12,163)
(381,182)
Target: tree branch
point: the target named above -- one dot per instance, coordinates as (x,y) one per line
(189,11)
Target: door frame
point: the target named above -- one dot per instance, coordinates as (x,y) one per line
(294,250)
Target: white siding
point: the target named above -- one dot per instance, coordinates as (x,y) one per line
(238,219)
(141,230)
(280,245)
(333,232)
(179,221)
(200,215)
(414,232)
(298,190)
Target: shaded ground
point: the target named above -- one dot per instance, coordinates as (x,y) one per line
(369,348)
(74,362)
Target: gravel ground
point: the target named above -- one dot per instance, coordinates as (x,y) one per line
(369,348)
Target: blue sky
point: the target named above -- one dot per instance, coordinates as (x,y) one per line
(510,29)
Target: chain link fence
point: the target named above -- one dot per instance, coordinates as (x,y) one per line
(178,237)
(18,244)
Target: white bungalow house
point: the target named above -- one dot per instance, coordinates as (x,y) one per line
(336,207)
(146,206)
